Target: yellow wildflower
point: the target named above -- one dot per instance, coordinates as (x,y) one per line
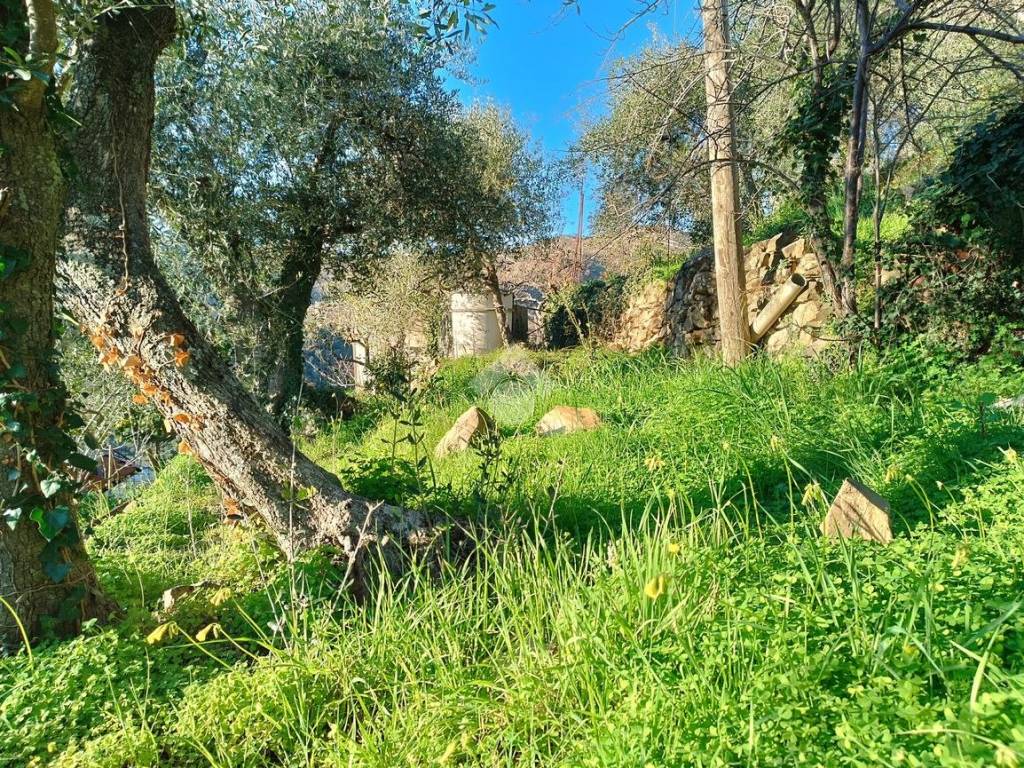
(812,494)
(655,588)
(164,631)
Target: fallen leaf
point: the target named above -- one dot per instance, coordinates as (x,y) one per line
(181,358)
(140,399)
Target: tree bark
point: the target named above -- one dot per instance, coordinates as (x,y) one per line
(823,242)
(855,164)
(494,287)
(285,364)
(728,235)
(31,201)
(109,281)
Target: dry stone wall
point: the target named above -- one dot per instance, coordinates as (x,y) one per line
(682,313)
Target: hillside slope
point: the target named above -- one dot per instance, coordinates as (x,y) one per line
(654,592)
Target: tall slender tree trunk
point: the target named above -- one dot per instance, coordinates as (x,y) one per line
(31,202)
(823,242)
(878,210)
(725,202)
(855,164)
(109,281)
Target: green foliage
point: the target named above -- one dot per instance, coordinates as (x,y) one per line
(816,122)
(979,196)
(348,98)
(583,311)
(961,264)
(788,216)
(812,133)
(659,593)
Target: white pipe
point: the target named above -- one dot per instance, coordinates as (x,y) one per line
(779,303)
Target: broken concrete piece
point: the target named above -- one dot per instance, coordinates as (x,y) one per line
(858,512)
(563,419)
(470,426)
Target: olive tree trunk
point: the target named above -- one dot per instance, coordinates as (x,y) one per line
(284,364)
(494,288)
(109,281)
(31,202)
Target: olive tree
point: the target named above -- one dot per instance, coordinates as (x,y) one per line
(296,142)
(107,278)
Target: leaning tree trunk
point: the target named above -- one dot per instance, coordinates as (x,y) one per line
(109,281)
(40,579)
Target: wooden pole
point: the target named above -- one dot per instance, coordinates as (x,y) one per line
(725,204)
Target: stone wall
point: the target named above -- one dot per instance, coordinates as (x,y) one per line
(682,312)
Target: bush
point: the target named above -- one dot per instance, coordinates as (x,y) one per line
(961,265)
(590,310)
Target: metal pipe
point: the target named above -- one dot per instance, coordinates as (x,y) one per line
(776,307)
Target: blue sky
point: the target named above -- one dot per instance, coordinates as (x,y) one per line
(547,65)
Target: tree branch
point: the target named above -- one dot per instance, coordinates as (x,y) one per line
(42,47)
(995,34)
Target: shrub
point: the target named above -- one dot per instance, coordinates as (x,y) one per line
(961,266)
(586,311)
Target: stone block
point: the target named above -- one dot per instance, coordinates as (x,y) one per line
(809,313)
(858,512)
(563,419)
(471,426)
(794,252)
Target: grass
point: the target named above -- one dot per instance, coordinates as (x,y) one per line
(651,593)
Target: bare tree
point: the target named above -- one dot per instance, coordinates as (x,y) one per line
(878,30)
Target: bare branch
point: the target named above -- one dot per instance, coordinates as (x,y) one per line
(975,32)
